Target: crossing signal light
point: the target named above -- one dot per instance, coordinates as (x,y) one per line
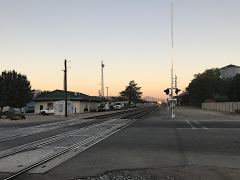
(177,91)
(166,91)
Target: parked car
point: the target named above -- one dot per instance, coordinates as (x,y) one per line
(132,105)
(111,104)
(119,105)
(13,113)
(107,106)
(47,111)
(101,107)
(4,110)
(29,109)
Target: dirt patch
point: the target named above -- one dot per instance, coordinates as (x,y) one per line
(170,173)
(127,175)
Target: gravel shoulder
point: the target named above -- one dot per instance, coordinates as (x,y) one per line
(169,173)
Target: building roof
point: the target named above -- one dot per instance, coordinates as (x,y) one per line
(229,66)
(58,95)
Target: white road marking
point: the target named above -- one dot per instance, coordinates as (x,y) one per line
(189,123)
(203,127)
(193,125)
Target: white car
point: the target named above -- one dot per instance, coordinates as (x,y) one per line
(119,105)
(47,111)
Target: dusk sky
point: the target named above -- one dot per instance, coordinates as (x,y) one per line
(132,37)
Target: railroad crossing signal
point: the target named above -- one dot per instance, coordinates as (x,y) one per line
(177,90)
(166,91)
(172,102)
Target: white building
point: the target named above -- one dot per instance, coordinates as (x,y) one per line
(77,102)
(59,108)
(229,71)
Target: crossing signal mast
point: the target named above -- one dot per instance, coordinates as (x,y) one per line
(170,91)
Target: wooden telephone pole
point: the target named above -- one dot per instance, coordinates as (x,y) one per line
(65,87)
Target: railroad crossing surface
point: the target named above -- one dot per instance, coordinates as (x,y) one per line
(196,144)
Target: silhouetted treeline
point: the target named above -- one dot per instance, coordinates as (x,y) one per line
(209,86)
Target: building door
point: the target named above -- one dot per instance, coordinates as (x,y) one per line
(41,107)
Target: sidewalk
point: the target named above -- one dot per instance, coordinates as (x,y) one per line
(201,114)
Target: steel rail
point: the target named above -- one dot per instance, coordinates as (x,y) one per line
(48,140)
(73,147)
(112,131)
(59,126)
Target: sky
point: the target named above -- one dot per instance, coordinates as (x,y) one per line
(132,37)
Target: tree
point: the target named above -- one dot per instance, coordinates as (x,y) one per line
(207,85)
(15,90)
(234,89)
(183,98)
(132,92)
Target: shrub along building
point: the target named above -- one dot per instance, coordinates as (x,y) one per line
(77,102)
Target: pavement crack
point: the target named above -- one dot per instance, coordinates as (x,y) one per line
(181,150)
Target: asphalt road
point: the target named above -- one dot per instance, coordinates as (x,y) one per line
(195,145)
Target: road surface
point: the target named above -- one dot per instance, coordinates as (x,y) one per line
(195,145)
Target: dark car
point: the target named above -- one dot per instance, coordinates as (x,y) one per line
(14,114)
(101,107)
(29,109)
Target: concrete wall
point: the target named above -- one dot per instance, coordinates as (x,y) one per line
(76,106)
(91,106)
(59,108)
(222,106)
(83,105)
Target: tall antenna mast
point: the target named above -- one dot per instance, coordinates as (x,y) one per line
(170,91)
(172,78)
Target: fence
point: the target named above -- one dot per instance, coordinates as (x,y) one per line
(232,107)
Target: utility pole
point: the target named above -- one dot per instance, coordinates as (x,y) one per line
(65,87)
(102,83)
(107,92)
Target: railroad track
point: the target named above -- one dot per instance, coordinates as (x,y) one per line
(115,114)
(49,140)
(54,126)
(140,113)
(92,134)
(46,141)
